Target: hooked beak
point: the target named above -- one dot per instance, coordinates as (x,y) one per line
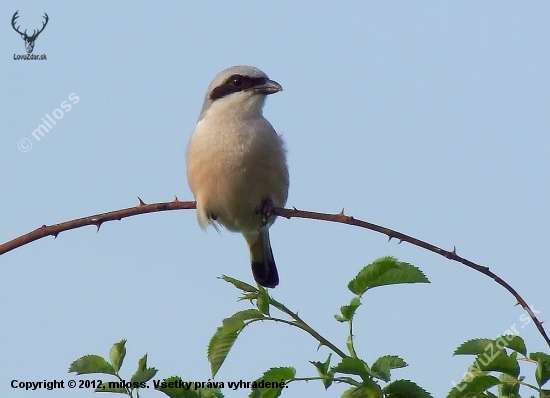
(269,87)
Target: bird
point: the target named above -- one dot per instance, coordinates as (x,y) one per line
(237,164)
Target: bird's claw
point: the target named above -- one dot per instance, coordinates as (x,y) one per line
(266,210)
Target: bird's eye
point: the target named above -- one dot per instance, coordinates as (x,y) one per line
(237,81)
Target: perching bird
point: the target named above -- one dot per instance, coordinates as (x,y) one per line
(236,163)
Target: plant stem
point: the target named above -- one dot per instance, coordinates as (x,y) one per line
(306,328)
(529,385)
(350,345)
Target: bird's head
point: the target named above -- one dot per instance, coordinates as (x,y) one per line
(238,90)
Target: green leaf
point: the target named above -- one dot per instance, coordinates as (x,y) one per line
(323,370)
(107,386)
(491,355)
(405,389)
(248,297)
(348,311)
(508,387)
(369,389)
(248,314)
(210,393)
(239,284)
(473,347)
(460,388)
(322,367)
(232,325)
(498,361)
(515,343)
(117,354)
(454,393)
(272,382)
(542,373)
(175,387)
(143,375)
(480,346)
(383,365)
(353,366)
(235,323)
(482,383)
(223,339)
(262,302)
(474,386)
(218,348)
(91,364)
(142,363)
(371,273)
(385,271)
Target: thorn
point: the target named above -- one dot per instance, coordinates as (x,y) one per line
(400,241)
(175,199)
(141,202)
(55,235)
(390,237)
(294,208)
(517,303)
(98,225)
(342,212)
(541,322)
(454,250)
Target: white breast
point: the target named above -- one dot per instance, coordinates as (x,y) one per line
(232,166)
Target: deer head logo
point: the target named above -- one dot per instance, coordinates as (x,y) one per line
(29,40)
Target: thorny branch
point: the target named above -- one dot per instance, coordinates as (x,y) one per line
(451,255)
(142,208)
(97,220)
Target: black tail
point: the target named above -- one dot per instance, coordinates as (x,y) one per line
(264,269)
(265,273)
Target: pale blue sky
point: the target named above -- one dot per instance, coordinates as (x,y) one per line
(431,118)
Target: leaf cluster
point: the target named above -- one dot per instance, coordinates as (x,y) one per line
(364,380)
(500,357)
(89,364)
(495,369)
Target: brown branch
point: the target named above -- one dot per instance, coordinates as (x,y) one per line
(451,255)
(142,208)
(97,220)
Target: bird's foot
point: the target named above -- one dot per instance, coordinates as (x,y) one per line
(266,210)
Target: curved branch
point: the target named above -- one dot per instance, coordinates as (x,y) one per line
(97,220)
(142,208)
(451,255)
